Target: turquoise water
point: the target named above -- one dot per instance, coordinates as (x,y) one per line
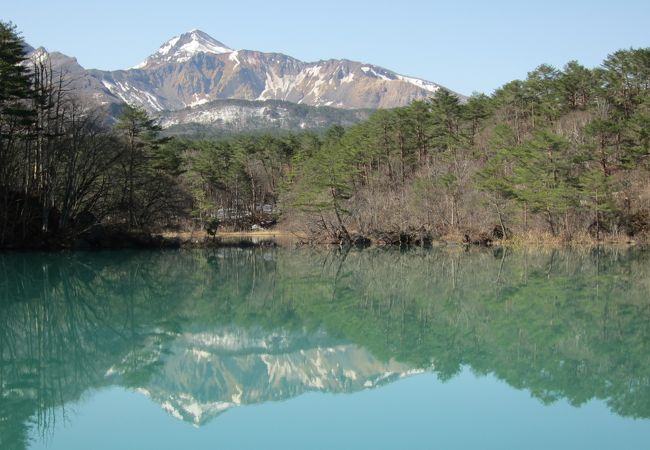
(296,349)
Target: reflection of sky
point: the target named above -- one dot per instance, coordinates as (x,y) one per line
(417,412)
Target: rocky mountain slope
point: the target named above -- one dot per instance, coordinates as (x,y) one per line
(204,373)
(77,79)
(193,69)
(183,81)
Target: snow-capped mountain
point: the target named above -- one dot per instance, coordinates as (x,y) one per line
(182,48)
(202,374)
(195,70)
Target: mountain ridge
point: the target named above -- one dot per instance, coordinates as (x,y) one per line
(255,75)
(193,69)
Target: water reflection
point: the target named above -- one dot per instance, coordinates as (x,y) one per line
(201,332)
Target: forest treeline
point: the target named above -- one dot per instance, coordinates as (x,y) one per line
(562,154)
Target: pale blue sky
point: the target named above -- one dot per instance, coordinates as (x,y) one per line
(464,45)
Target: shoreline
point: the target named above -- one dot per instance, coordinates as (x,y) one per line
(118,239)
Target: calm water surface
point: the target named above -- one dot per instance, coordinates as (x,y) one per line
(306,349)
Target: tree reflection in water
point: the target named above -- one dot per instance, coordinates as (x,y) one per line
(203,331)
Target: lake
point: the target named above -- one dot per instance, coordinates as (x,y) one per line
(313,349)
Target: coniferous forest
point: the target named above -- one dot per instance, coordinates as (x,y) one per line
(562,155)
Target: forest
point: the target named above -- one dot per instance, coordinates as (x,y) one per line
(560,156)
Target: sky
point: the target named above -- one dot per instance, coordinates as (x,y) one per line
(466,46)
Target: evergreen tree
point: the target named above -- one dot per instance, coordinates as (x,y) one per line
(143,165)
(15,81)
(16,116)
(543,177)
(475,112)
(326,181)
(446,116)
(577,86)
(543,98)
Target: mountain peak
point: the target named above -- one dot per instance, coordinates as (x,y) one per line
(182,48)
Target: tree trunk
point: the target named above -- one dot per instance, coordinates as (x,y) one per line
(344,230)
(503,227)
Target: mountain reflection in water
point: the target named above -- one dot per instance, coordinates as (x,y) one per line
(200,332)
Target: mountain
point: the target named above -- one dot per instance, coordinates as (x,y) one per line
(84,83)
(212,118)
(190,77)
(193,69)
(201,374)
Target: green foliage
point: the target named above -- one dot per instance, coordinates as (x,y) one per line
(237,179)
(496,175)
(446,114)
(15,82)
(542,176)
(536,145)
(570,147)
(624,78)
(326,177)
(577,86)
(150,166)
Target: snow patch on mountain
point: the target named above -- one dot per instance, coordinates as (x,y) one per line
(426,85)
(132,95)
(280,87)
(375,73)
(197,100)
(167,46)
(348,78)
(234,57)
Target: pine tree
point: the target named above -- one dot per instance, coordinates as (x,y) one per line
(577,86)
(543,177)
(141,138)
(325,181)
(15,81)
(15,118)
